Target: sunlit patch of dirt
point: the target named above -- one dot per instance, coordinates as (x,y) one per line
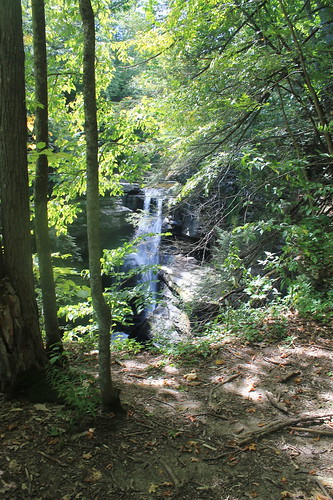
(251,421)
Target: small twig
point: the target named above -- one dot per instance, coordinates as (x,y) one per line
(29,477)
(209,447)
(118,362)
(115,480)
(56,460)
(289,376)
(322,487)
(215,415)
(226,381)
(317,346)
(275,403)
(171,474)
(165,403)
(279,363)
(320,432)
(271,481)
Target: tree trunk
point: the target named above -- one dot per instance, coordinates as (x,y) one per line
(109,394)
(53,338)
(21,346)
(307,80)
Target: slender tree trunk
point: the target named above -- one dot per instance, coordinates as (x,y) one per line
(53,338)
(21,347)
(314,96)
(109,395)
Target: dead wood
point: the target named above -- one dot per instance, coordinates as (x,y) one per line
(322,487)
(277,425)
(275,403)
(319,432)
(276,362)
(289,376)
(56,460)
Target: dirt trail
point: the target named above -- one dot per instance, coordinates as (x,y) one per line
(247,422)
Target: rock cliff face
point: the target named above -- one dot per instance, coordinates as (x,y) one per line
(181,282)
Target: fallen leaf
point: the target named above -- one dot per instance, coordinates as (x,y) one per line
(250,447)
(12,426)
(153,488)
(41,407)
(95,475)
(14,466)
(150,444)
(322,497)
(90,433)
(191,418)
(53,441)
(233,461)
(7,486)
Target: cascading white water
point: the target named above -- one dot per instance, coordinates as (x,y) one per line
(147,252)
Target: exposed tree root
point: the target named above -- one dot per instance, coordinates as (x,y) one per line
(279,424)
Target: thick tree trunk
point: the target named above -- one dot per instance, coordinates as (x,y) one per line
(53,337)
(109,394)
(21,346)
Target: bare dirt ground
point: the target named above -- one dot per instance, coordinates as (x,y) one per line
(249,421)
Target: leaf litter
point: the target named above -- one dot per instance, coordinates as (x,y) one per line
(251,421)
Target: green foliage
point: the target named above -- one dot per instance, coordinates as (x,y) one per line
(128,289)
(254,324)
(127,347)
(190,350)
(77,389)
(232,101)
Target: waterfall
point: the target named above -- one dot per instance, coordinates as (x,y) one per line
(147,250)
(147,253)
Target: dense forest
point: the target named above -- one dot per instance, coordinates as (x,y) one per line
(227,109)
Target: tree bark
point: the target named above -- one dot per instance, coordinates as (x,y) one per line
(53,337)
(109,394)
(21,346)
